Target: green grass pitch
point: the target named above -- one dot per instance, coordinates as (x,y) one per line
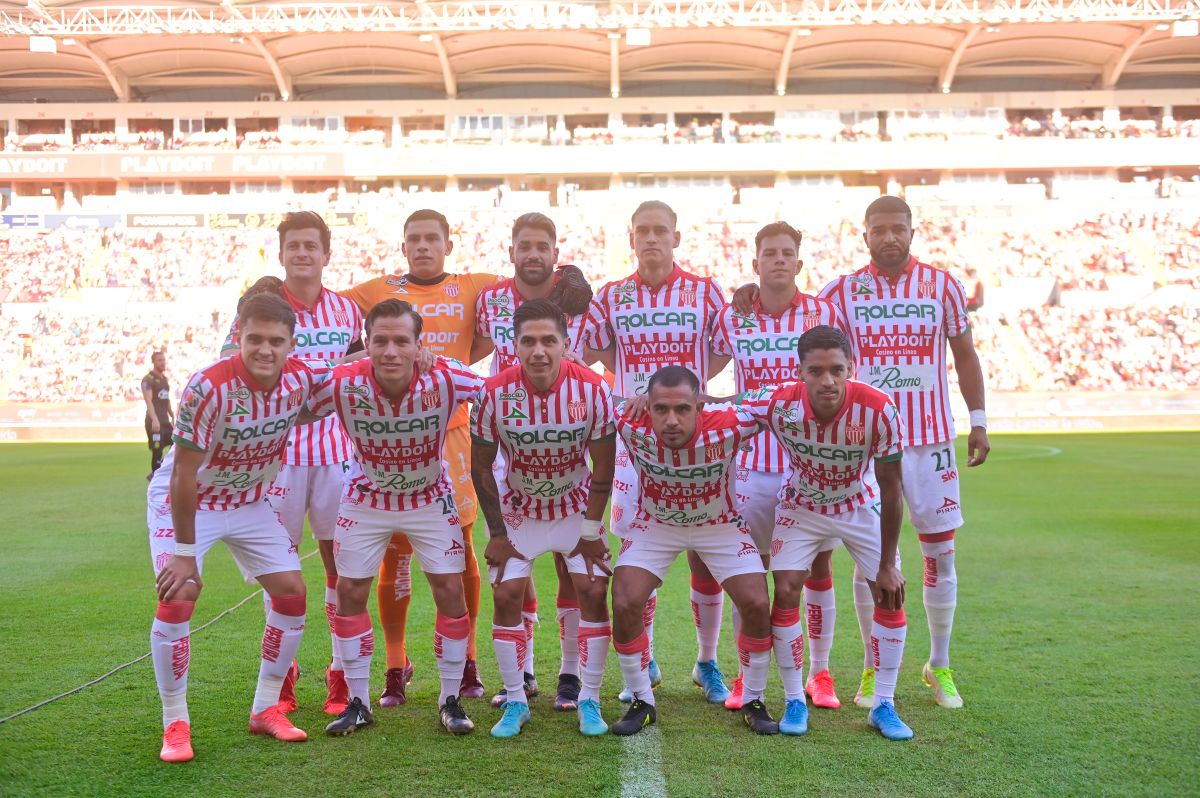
(1075,649)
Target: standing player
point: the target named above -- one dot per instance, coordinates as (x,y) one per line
(534,255)
(310,480)
(684,456)
(660,316)
(763,346)
(397,421)
(156,392)
(230,436)
(548,416)
(903,313)
(446,304)
(833,429)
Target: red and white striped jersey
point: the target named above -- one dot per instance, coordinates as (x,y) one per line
(670,325)
(828,462)
(397,443)
(694,484)
(241,427)
(545,438)
(900,331)
(763,347)
(494,309)
(324,333)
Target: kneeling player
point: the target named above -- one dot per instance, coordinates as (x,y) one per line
(832,428)
(397,420)
(230,433)
(684,457)
(548,416)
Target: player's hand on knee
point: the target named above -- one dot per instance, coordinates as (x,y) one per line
(889,587)
(978,446)
(497,554)
(744,299)
(176,575)
(595,556)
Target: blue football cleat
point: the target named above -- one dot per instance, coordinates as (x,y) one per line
(708,677)
(884,718)
(515,716)
(591,724)
(795,717)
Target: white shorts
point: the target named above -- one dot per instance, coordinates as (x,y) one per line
(757,498)
(801,534)
(258,542)
(624,493)
(727,549)
(363,534)
(534,538)
(312,490)
(930,478)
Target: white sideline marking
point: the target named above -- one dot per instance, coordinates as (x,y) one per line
(1033,452)
(123,666)
(641,765)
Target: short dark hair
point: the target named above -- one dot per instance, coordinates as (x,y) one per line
(888,204)
(537,310)
(304,220)
(428,214)
(777,229)
(263,285)
(654,205)
(671,376)
(538,221)
(393,309)
(268,307)
(824,337)
(157,353)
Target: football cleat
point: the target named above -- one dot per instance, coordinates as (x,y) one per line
(820,690)
(531,691)
(354,717)
(865,697)
(337,693)
(272,722)
(470,686)
(942,682)
(396,682)
(734,701)
(515,716)
(708,677)
(884,718)
(655,674)
(795,717)
(639,716)
(287,693)
(591,723)
(454,717)
(177,743)
(758,719)
(566,699)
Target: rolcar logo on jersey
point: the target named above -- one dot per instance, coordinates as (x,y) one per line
(685,472)
(440,309)
(513,396)
(822,452)
(657,318)
(502,333)
(749,346)
(395,426)
(261,430)
(532,437)
(900,310)
(322,338)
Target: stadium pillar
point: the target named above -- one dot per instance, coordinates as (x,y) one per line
(451,184)
(396,131)
(670,127)
(231,130)
(121,126)
(67,130)
(1168,116)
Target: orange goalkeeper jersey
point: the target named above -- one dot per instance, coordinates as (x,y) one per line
(447,311)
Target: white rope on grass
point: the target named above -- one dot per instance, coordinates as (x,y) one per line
(132,662)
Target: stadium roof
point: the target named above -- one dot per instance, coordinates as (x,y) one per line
(482,48)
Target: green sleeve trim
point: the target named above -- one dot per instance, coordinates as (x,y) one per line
(891,458)
(185,444)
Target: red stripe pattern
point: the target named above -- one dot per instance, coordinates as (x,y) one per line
(494,310)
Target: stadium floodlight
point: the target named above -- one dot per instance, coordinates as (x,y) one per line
(1185,28)
(43,44)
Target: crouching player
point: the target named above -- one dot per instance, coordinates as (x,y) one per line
(832,429)
(547,415)
(230,435)
(684,456)
(397,419)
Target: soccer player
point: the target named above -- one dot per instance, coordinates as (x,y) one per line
(534,255)
(903,313)
(684,455)
(763,346)
(230,435)
(660,316)
(833,429)
(156,392)
(397,420)
(310,480)
(547,415)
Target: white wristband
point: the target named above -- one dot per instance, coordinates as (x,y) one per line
(978,419)
(589,530)
(185,549)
